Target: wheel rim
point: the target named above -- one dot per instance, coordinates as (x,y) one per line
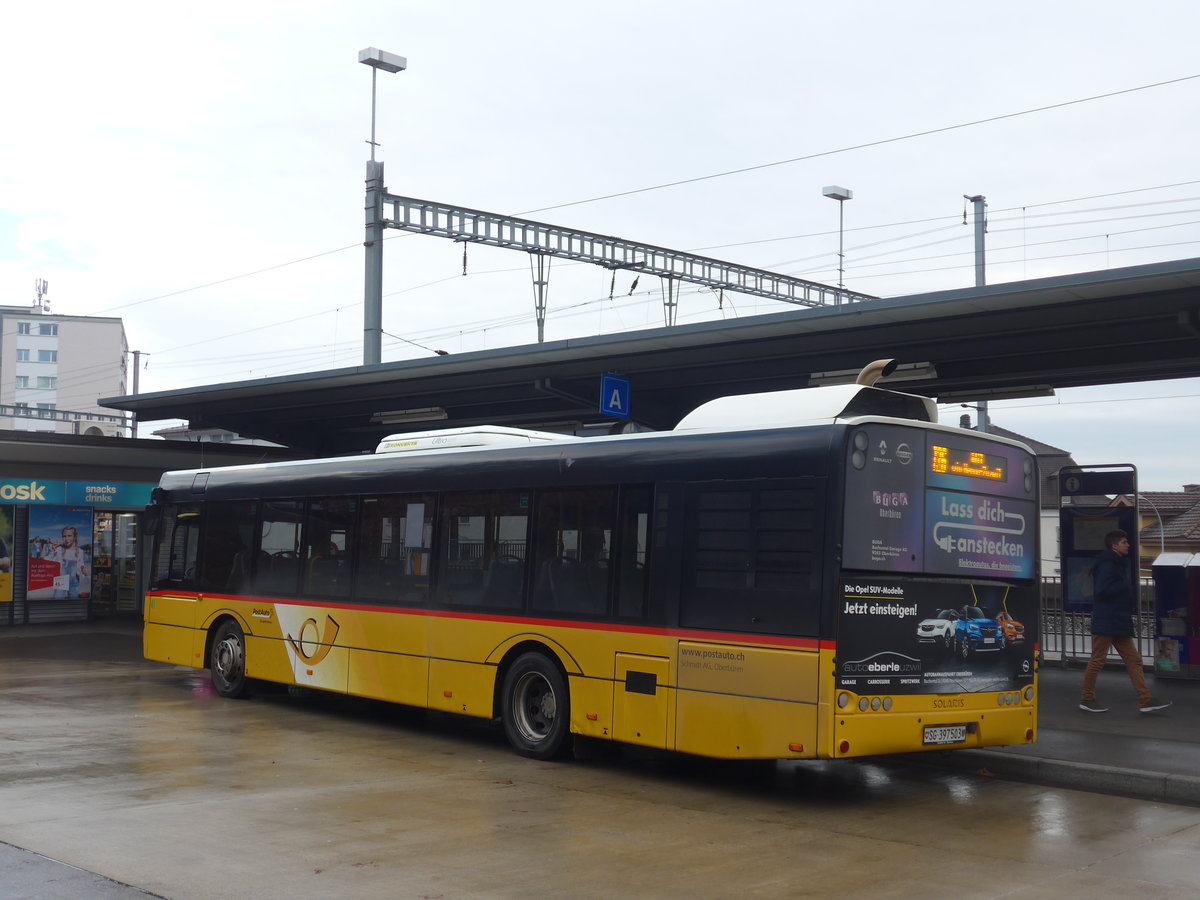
(534,707)
(229,660)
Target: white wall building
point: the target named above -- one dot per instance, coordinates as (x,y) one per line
(53,369)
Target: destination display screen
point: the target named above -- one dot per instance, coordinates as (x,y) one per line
(969,511)
(945,460)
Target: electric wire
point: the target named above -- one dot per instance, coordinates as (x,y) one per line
(866,145)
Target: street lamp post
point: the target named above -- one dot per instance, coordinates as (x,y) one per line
(373,278)
(1162,535)
(980,203)
(841,195)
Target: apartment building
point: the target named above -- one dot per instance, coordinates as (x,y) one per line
(53,368)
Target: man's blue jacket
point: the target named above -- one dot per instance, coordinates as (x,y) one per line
(1114,606)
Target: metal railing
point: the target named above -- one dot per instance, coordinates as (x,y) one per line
(1067,634)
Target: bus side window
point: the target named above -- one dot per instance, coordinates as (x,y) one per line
(178,547)
(752,553)
(630,560)
(395,549)
(277,565)
(572,541)
(227,560)
(483,549)
(329,542)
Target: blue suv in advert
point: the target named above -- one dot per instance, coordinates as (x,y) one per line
(975,631)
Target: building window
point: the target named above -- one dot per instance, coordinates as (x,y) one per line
(22,409)
(46,355)
(22,381)
(24,328)
(46,382)
(22,356)
(47,328)
(45,410)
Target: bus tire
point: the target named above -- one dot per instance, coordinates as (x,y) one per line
(227,666)
(535,707)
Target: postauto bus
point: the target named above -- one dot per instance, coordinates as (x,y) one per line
(815,573)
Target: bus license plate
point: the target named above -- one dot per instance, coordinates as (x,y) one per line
(945,734)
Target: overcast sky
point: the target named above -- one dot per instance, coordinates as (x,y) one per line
(198,169)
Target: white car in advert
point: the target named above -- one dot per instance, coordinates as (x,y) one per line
(938,632)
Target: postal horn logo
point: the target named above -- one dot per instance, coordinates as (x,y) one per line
(312,646)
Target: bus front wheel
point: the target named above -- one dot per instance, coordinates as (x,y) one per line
(228,665)
(535,707)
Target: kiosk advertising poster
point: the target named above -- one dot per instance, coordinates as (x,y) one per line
(60,553)
(920,505)
(6,553)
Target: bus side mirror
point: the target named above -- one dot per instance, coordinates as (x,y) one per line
(152,521)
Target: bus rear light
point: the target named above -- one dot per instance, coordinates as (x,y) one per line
(592,717)
(844,747)
(843,700)
(1029,734)
(796,748)
(863,704)
(1029,694)
(447,693)
(887,704)
(876,704)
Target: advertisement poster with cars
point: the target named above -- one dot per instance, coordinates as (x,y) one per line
(6,552)
(60,553)
(939,555)
(916,636)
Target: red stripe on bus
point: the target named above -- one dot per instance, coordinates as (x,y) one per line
(686,633)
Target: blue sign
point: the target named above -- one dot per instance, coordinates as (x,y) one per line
(614,396)
(71,493)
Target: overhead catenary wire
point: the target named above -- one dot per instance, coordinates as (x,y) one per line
(866,145)
(1023,209)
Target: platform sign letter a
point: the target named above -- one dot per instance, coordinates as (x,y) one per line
(614,396)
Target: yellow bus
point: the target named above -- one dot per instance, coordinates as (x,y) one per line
(820,573)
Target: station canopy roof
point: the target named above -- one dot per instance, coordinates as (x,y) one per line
(1006,340)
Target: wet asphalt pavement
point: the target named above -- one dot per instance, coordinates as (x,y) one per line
(1122,752)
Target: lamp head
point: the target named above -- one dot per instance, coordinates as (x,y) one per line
(381,59)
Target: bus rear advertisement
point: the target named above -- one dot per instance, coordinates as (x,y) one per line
(822,573)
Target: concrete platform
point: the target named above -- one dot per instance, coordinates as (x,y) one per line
(1153,756)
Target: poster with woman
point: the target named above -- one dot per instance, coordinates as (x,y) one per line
(6,542)
(60,552)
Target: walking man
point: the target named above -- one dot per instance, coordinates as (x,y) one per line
(1113,611)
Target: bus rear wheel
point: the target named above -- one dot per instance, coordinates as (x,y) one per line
(535,707)
(228,664)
